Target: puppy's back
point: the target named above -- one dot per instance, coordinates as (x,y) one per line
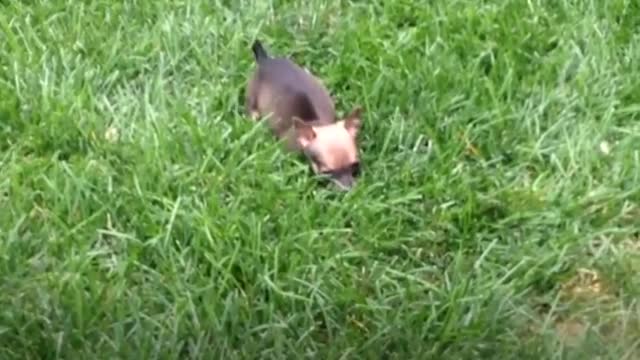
(283,88)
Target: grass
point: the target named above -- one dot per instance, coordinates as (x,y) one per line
(142,214)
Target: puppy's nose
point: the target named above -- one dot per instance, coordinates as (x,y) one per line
(344,182)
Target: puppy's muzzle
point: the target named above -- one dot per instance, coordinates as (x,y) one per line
(344,178)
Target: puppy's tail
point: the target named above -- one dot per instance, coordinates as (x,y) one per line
(259,52)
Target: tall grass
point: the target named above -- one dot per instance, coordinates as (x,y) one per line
(143,215)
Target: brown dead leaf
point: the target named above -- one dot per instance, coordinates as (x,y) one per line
(586,284)
(358,324)
(470,148)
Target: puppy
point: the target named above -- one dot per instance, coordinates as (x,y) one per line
(300,111)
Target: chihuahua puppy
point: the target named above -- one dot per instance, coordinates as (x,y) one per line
(300,111)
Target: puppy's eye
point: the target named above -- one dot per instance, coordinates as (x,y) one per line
(320,165)
(355,168)
(317,162)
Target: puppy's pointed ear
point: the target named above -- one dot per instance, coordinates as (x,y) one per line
(353,121)
(304,132)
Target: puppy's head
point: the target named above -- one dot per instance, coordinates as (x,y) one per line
(332,149)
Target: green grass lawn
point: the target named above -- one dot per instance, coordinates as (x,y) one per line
(143,215)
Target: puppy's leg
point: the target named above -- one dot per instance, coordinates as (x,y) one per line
(251,100)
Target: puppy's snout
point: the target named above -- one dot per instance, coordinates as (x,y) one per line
(344,178)
(344,181)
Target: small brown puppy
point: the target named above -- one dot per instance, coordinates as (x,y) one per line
(300,111)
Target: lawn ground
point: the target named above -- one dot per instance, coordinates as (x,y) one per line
(498,214)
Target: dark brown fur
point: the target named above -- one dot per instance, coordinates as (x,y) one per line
(288,90)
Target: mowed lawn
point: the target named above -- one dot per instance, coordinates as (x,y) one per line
(142,215)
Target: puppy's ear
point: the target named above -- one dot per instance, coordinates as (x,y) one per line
(304,132)
(353,121)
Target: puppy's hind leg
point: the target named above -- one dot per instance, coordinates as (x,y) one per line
(251,101)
